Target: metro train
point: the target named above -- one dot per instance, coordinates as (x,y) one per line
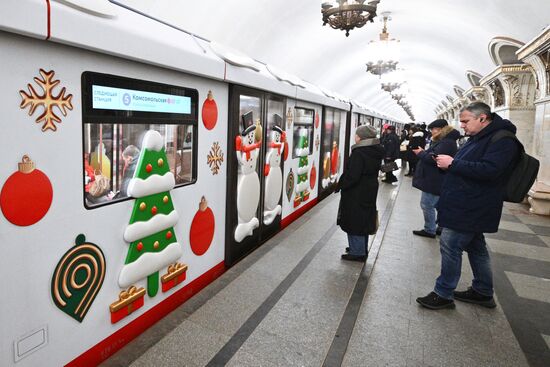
(140,162)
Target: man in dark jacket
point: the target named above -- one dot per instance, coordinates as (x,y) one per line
(427,177)
(359,184)
(470,205)
(391,149)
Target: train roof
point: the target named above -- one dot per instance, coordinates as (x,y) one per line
(114,29)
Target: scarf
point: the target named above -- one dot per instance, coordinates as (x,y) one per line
(366,143)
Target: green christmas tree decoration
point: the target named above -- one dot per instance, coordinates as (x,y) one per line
(302,151)
(153,243)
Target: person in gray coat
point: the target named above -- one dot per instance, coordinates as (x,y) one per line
(357,214)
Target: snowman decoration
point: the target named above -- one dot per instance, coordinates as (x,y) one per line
(274,178)
(248,185)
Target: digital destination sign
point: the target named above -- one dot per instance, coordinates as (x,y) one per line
(109,98)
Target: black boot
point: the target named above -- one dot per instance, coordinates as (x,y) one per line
(472,296)
(349,257)
(434,302)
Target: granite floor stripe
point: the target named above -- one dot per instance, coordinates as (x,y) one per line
(337,350)
(134,350)
(238,339)
(530,287)
(510,218)
(528,318)
(523,251)
(540,230)
(518,237)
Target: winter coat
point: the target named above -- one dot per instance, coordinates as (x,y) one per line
(428,177)
(359,189)
(417,140)
(128,175)
(471,195)
(391,146)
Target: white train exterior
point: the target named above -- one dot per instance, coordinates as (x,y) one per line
(64,302)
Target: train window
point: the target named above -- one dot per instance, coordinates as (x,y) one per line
(332,122)
(302,131)
(250,110)
(117,112)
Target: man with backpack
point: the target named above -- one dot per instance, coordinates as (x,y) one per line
(470,204)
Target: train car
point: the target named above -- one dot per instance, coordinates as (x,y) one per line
(140,162)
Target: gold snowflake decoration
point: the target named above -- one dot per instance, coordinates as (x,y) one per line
(289,118)
(215,158)
(46,100)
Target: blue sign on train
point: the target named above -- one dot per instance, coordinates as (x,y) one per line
(109,98)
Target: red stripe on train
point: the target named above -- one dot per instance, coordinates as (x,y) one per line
(109,346)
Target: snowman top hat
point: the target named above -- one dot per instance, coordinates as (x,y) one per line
(277,129)
(248,130)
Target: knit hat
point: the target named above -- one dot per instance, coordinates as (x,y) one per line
(438,123)
(365,132)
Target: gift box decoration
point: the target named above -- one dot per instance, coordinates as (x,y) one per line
(306,196)
(297,201)
(128,301)
(176,275)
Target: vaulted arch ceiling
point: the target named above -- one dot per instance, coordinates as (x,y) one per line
(440,41)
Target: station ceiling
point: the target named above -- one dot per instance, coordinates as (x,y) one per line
(439,41)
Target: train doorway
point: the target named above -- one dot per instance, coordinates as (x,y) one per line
(256,146)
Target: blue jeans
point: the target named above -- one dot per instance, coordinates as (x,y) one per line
(452,244)
(427,203)
(358,244)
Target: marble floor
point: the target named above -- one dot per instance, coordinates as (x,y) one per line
(294,302)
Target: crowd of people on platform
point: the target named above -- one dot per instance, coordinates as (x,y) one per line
(461,182)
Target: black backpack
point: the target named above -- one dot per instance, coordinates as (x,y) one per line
(519,179)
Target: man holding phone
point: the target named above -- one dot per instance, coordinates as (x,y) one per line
(427,177)
(471,205)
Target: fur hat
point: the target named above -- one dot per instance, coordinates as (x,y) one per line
(365,132)
(438,123)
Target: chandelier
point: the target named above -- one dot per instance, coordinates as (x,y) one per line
(383,54)
(348,14)
(400,93)
(391,81)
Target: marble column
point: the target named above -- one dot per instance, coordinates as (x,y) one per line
(513,93)
(537,54)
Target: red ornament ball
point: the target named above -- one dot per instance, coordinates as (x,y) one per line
(154,210)
(168,235)
(149,168)
(316,120)
(209,112)
(202,229)
(26,195)
(139,246)
(312,177)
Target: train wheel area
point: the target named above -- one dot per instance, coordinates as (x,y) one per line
(294,302)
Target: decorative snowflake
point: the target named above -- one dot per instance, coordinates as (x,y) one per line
(215,158)
(289,118)
(47,100)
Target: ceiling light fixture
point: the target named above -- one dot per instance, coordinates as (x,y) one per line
(383,54)
(348,14)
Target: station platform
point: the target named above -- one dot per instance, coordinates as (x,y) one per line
(294,302)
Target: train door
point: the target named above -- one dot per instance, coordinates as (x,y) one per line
(256,144)
(330,150)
